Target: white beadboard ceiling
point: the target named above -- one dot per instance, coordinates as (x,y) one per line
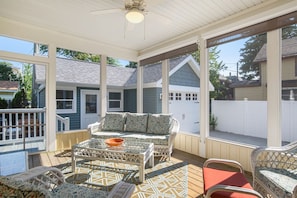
(165,21)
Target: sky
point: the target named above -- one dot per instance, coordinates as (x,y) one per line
(229,52)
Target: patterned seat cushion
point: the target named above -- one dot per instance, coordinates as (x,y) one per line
(107,134)
(114,121)
(12,188)
(136,122)
(72,190)
(145,137)
(280,181)
(159,123)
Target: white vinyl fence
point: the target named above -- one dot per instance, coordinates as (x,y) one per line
(250,118)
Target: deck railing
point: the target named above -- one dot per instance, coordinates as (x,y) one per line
(25,128)
(62,123)
(18,126)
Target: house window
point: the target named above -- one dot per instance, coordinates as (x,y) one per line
(171,96)
(195,96)
(66,101)
(177,96)
(115,101)
(188,96)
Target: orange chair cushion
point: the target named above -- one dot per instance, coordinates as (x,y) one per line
(213,177)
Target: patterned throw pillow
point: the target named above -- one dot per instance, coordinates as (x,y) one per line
(114,121)
(136,122)
(159,123)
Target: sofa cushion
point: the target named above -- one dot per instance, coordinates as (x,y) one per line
(72,190)
(107,134)
(279,180)
(136,122)
(159,123)
(146,137)
(12,188)
(212,177)
(114,121)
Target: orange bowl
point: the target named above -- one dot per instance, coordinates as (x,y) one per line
(114,141)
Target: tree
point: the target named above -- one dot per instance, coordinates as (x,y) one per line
(19,100)
(75,55)
(132,65)
(3,103)
(221,91)
(249,69)
(27,81)
(6,72)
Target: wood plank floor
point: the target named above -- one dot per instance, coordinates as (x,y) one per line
(195,180)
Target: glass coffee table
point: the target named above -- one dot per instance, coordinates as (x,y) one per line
(131,152)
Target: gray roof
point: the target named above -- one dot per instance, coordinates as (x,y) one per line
(153,73)
(80,72)
(245,83)
(289,48)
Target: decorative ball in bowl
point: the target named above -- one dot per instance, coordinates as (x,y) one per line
(114,141)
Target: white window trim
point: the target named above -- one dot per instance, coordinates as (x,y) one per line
(74,105)
(121,101)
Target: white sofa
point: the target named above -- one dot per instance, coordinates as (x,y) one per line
(159,129)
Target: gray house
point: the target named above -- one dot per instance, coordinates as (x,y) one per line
(77,93)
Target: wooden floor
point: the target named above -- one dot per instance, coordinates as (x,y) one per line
(195,181)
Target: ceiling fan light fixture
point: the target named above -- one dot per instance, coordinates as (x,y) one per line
(134,16)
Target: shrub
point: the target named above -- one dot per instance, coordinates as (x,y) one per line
(3,103)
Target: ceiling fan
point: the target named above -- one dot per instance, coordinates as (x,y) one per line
(135,10)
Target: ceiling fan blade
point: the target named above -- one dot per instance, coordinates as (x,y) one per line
(107,11)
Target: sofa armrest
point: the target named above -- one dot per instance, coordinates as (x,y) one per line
(122,189)
(226,188)
(272,157)
(41,176)
(174,129)
(96,127)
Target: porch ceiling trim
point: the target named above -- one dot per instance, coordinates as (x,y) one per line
(171,54)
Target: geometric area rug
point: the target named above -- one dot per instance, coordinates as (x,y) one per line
(167,179)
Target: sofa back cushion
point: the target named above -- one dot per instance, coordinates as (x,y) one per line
(114,121)
(136,122)
(159,123)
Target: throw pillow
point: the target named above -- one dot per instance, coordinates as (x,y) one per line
(159,123)
(114,121)
(136,122)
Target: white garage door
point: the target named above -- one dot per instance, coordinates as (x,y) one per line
(185,107)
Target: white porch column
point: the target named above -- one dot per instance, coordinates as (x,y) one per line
(165,86)
(139,90)
(204,97)
(274,86)
(51,99)
(103,86)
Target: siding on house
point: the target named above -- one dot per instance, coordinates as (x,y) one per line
(130,102)
(41,98)
(185,76)
(260,92)
(151,100)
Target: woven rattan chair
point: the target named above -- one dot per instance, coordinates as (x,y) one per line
(220,182)
(50,182)
(275,171)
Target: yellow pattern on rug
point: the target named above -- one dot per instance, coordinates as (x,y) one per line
(165,179)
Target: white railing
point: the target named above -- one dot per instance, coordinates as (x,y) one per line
(21,126)
(62,124)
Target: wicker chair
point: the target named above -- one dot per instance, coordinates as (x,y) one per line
(225,183)
(44,181)
(275,171)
